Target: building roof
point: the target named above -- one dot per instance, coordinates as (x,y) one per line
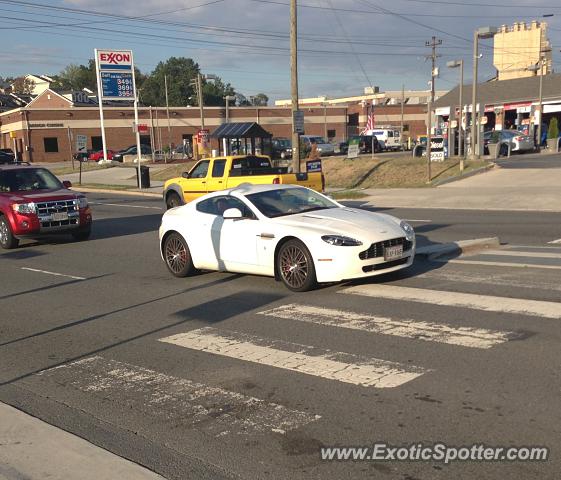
(506,91)
(241,130)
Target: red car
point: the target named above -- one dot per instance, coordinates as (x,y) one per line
(97,156)
(33,202)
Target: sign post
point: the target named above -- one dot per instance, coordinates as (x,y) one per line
(116,81)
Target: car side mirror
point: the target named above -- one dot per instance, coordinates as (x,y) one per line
(185,175)
(67,184)
(232,213)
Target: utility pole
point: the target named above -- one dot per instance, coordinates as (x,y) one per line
(402,102)
(294,84)
(435,42)
(200,95)
(167,111)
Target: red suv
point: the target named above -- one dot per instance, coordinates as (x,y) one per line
(34,202)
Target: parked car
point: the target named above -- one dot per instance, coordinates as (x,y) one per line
(301,227)
(324,148)
(33,202)
(82,156)
(97,156)
(365,144)
(281,148)
(390,137)
(132,150)
(518,141)
(6,157)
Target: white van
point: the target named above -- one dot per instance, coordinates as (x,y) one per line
(390,137)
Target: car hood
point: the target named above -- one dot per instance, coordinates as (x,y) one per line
(44,195)
(345,221)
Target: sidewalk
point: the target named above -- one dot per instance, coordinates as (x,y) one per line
(31,449)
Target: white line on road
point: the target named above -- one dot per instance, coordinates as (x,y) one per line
(344,367)
(125,205)
(431,332)
(555,241)
(500,264)
(53,273)
(178,400)
(512,253)
(456,299)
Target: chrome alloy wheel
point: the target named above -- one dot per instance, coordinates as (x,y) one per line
(176,255)
(4,233)
(294,266)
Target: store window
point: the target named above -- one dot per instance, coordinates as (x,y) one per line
(51,144)
(97,143)
(331,134)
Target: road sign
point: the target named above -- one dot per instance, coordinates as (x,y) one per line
(298,121)
(140,128)
(354,146)
(81,143)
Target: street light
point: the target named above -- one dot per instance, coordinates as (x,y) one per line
(456,64)
(482,32)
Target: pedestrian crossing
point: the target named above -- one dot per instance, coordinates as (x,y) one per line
(221,411)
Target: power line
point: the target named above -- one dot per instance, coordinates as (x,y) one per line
(495,5)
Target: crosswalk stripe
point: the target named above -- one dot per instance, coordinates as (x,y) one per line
(344,367)
(513,253)
(431,332)
(456,299)
(554,242)
(215,410)
(500,264)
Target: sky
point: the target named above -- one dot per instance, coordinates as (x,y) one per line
(344,45)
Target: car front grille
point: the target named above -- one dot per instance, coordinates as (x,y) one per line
(383,266)
(376,250)
(47,211)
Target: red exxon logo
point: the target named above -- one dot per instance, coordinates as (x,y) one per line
(115,57)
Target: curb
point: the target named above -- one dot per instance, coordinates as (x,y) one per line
(432,252)
(465,175)
(118,192)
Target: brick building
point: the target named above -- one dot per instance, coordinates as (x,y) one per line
(45,128)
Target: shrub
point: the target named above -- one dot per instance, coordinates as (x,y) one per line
(553,130)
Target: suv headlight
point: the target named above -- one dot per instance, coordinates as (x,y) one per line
(408,229)
(82,202)
(341,241)
(25,208)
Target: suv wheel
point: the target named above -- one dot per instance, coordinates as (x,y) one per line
(82,235)
(7,239)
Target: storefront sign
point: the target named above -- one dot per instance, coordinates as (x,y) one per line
(116,74)
(117,85)
(516,106)
(46,125)
(353,149)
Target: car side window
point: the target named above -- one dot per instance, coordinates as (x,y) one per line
(200,170)
(218,167)
(218,205)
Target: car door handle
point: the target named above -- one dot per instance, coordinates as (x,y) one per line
(266,235)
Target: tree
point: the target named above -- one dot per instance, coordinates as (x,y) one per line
(242,101)
(214,92)
(23,85)
(260,100)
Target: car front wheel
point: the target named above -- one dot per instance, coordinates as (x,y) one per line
(177,255)
(7,239)
(296,266)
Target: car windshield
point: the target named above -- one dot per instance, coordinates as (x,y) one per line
(290,201)
(28,179)
(318,139)
(284,143)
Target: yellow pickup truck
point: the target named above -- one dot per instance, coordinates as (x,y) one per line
(220,173)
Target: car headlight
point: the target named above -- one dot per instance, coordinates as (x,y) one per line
(341,241)
(408,229)
(25,208)
(82,202)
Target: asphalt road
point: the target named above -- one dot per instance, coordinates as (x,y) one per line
(191,377)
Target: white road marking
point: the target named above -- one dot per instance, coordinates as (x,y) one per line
(215,410)
(500,264)
(456,299)
(53,273)
(555,241)
(344,367)
(512,253)
(431,332)
(125,205)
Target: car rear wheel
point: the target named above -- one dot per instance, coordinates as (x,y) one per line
(177,255)
(173,200)
(82,235)
(296,267)
(7,239)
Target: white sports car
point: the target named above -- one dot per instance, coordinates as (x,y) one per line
(292,233)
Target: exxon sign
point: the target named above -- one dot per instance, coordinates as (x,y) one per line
(114,59)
